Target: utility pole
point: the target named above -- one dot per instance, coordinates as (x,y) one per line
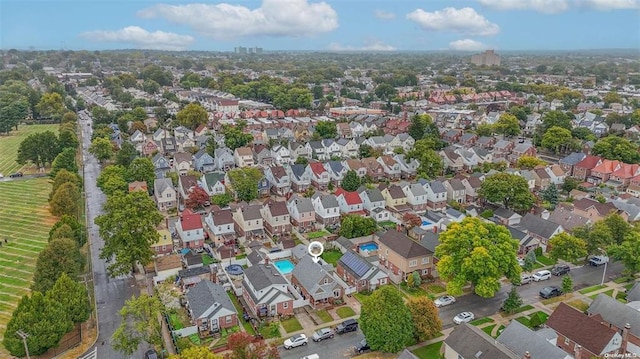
(24,337)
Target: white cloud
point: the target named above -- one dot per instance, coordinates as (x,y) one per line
(273,18)
(369,45)
(384,15)
(611,4)
(141,38)
(467,45)
(465,20)
(543,6)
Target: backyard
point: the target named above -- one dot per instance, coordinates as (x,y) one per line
(9,147)
(331,256)
(25,222)
(316,235)
(431,351)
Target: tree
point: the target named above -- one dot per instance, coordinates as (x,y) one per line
(424,315)
(101,148)
(245,182)
(529,162)
(530,261)
(198,352)
(555,138)
(509,189)
(243,346)
(63,231)
(64,161)
(570,184)
(64,176)
(628,252)
(66,200)
(431,164)
(477,252)
(139,324)
(327,129)
(513,301)
(507,125)
(222,199)
(352,226)
(77,230)
(43,319)
(555,118)
(12,113)
(537,319)
(550,194)
(39,148)
(485,129)
(302,161)
(365,151)
(567,247)
(142,169)
(59,256)
(617,148)
(567,284)
(128,227)
(611,97)
(67,138)
(351,181)
(69,117)
(197,198)
(51,105)
(618,227)
(192,116)
(235,137)
(126,154)
(385,312)
(112,179)
(73,297)
(415,280)
(418,127)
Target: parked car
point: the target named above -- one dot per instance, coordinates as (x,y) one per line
(444,301)
(597,261)
(322,334)
(17,174)
(560,269)
(541,275)
(525,278)
(550,292)
(362,346)
(1,176)
(151,354)
(464,317)
(296,341)
(349,325)
(311,356)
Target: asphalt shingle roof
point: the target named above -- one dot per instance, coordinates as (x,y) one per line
(208,298)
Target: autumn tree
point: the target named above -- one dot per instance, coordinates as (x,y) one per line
(411,220)
(197,352)
(477,252)
(73,297)
(139,324)
(128,227)
(59,256)
(63,176)
(66,200)
(242,346)
(529,162)
(353,226)
(51,105)
(424,314)
(244,182)
(101,148)
(507,125)
(351,181)
(198,198)
(511,190)
(192,116)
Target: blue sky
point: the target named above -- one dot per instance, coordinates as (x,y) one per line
(367,25)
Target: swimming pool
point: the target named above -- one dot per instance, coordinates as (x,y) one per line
(369,247)
(425,222)
(284,266)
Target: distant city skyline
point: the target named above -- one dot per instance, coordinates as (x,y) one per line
(331,25)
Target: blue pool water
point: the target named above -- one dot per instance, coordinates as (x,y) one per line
(284,266)
(426,223)
(369,247)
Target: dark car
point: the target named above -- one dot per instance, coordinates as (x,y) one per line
(550,292)
(349,325)
(560,269)
(17,174)
(151,354)
(362,346)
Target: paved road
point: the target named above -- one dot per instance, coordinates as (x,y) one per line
(110,293)
(340,346)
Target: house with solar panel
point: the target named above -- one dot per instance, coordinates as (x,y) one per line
(361,274)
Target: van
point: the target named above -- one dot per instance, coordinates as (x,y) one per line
(541,275)
(349,325)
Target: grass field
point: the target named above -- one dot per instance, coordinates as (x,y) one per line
(25,221)
(9,147)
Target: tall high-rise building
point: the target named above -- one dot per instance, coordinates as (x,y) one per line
(488,58)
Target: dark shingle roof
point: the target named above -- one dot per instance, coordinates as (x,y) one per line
(207,294)
(578,327)
(616,313)
(471,342)
(403,245)
(262,276)
(537,225)
(520,339)
(633,294)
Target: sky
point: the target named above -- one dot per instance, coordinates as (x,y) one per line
(313,25)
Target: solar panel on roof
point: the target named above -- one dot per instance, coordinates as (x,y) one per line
(358,265)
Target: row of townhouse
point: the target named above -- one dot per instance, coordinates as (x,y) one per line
(595,170)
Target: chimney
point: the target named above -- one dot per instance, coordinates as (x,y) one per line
(625,338)
(266,260)
(526,355)
(577,349)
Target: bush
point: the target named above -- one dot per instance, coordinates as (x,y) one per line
(538,252)
(537,319)
(486,214)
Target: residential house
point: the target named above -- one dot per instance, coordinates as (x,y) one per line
(165,194)
(190,231)
(317,150)
(186,185)
(319,175)
(583,336)
(402,256)
(526,242)
(221,227)
(357,130)
(149,147)
(316,282)
(136,186)
(472,185)
(556,174)
(469,341)
(185,144)
(203,161)
(486,142)
(264,186)
(248,221)
(327,209)
(468,139)
(213,183)
(582,169)
(621,317)
(349,202)
(530,177)
(182,163)
(522,149)
(282,155)
(567,163)
(452,160)
(390,167)
(164,246)
(593,209)
(243,157)
(262,155)
(210,308)
(344,130)
(371,199)
(602,172)
(568,219)
(374,168)
(408,167)
(166,266)
(168,146)
(395,198)
(436,194)
(266,291)
(331,149)
(160,134)
(456,191)
(416,196)
(201,130)
(303,216)
(506,217)
(502,149)
(527,343)
(348,147)
(360,274)
(224,159)
(336,171)
(161,164)
(279,180)
(297,150)
(378,143)
(406,141)
(541,229)
(276,219)
(300,177)
(624,175)
(542,178)
(357,166)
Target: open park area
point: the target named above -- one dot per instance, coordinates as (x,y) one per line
(9,147)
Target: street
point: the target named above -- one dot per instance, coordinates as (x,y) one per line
(339,347)
(110,293)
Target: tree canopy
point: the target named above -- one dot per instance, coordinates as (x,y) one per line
(77,229)
(73,297)
(65,160)
(556,139)
(477,252)
(199,352)
(245,182)
(38,148)
(385,312)
(351,181)
(51,105)
(192,116)
(567,247)
(141,169)
(126,154)
(197,198)
(509,189)
(139,324)
(59,256)
(112,179)
(507,125)
(65,200)
(424,314)
(628,252)
(327,129)
(101,148)
(431,163)
(235,137)
(617,148)
(353,226)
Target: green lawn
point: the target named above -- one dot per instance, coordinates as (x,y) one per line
(207,260)
(524,308)
(557,299)
(591,289)
(629,286)
(325,316)
(361,297)
(482,321)
(387,224)
(537,265)
(316,235)
(414,292)
(431,351)
(489,329)
(291,325)
(271,330)
(545,260)
(578,304)
(179,319)
(345,312)
(436,289)
(525,319)
(609,293)
(25,221)
(331,256)
(624,279)
(9,147)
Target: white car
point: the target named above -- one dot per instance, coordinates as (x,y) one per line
(444,301)
(464,317)
(525,278)
(597,261)
(296,341)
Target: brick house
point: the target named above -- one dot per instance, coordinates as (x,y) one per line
(266,292)
(582,169)
(359,273)
(403,256)
(316,282)
(210,308)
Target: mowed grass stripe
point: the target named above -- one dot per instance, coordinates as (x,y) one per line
(9,147)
